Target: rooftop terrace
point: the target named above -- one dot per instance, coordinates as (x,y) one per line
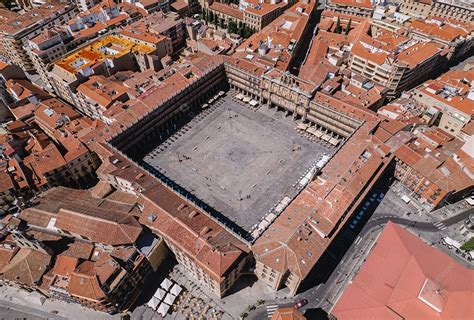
(109,47)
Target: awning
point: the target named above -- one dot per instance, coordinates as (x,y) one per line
(263,224)
(270,217)
(166,284)
(311,130)
(163,309)
(302,126)
(169,299)
(176,289)
(253,103)
(246,99)
(406,199)
(239,96)
(326,137)
(153,303)
(160,294)
(334,141)
(319,133)
(452,242)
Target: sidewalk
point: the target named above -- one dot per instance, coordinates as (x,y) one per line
(29,303)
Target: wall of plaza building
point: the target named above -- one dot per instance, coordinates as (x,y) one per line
(65,83)
(397,76)
(454,10)
(180,107)
(13,45)
(283,95)
(269,92)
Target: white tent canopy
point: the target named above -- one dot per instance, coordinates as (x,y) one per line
(163,309)
(176,289)
(253,103)
(166,284)
(160,294)
(169,299)
(153,303)
(239,96)
(246,99)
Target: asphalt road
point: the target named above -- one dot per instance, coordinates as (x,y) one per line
(9,310)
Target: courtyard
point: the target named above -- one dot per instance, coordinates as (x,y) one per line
(237,160)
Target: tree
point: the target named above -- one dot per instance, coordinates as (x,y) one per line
(222,23)
(231,26)
(348,28)
(210,19)
(468,245)
(338,26)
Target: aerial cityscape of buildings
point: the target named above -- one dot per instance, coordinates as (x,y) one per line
(237,159)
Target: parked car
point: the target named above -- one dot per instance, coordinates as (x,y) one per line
(301,303)
(380,197)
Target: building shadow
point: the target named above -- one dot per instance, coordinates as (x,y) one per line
(244,281)
(316,314)
(153,281)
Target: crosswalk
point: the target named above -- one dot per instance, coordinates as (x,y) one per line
(271,310)
(439,225)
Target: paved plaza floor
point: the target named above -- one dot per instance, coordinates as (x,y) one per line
(239,161)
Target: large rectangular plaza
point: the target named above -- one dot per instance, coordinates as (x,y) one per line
(239,161)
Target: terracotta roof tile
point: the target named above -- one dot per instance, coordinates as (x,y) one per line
(405,278)
(27,267)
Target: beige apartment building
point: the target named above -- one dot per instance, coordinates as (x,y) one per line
(255,14)
(455,9)
(45,48)
(455,104)
(259,14)
(104,56)
(454,35)
(399,71)
(359,8)
(16,32)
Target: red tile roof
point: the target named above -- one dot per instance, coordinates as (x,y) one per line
(404,278)
(76,211)
(27,267)
(289,313)
(64,265)
(300,235)
(227,10)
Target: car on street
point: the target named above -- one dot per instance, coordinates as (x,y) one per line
(366,205)
(301,303)
(380,197)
